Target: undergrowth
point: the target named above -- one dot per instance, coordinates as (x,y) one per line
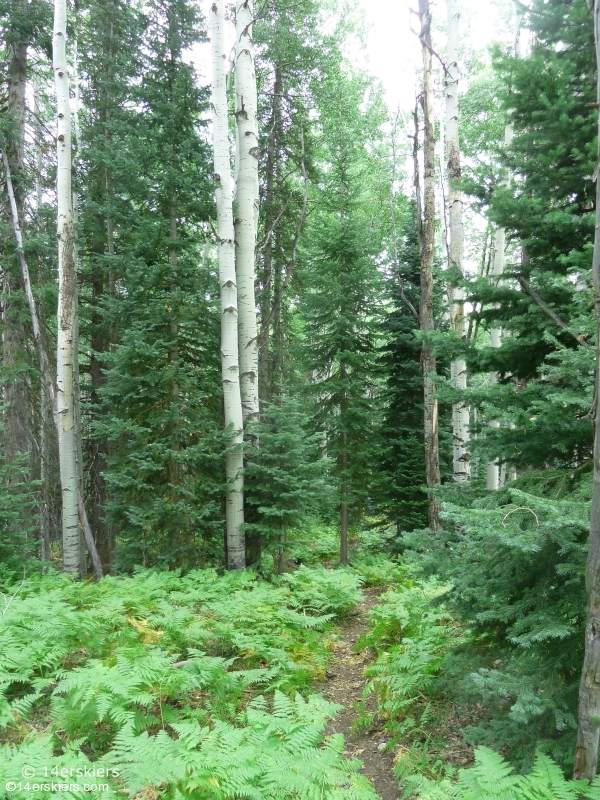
(187,687)
(492,778)
(410,635)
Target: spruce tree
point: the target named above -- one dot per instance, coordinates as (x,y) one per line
(342,285)
(160,408)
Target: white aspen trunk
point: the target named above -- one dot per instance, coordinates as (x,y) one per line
(48,381)
(236,555)
(67,303)
(458,369)
(247,199)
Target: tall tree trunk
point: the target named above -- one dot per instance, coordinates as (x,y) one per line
(246,222)
(101,337)
(460,411)
(66,356)
(50,386)
(234,513)
(344,504)
(15,397)
(494,471)
(344,474)
(588,731)
(266,295)
(426,222)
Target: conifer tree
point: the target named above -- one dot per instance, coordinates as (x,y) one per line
(109,38)
(343,281)
(159,410)
(292,57)
(588,730)
(401,464)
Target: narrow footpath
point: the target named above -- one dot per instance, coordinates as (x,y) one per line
(344,685)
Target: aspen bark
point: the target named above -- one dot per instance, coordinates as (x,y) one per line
(49,384)
(458,368)
(588,730)
(247,199)
(426,222)
(234,506)
(66,356)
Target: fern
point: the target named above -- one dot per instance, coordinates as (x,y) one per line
(492,778)
(155,674)
(411,637)
(276,754)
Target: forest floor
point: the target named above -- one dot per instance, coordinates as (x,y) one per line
(345,684)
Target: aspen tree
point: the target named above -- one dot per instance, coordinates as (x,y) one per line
(229,303)
(66,355)
(246,207)
(426,222)
(588,721)
(460,411)
(49,385)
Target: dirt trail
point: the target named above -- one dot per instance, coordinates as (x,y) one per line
(345,686)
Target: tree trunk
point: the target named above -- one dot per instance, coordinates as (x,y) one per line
(460,411)
(426,222)
(588,731)
(246,222)
(15,397)
(229,310)
(272,170)
(494,472)
(344,473)
(66,357)
(50,386)
(344,504)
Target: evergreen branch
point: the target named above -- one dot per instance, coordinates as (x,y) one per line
(552,314)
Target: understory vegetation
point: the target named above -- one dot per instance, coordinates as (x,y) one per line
(188,686)
(294,354)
